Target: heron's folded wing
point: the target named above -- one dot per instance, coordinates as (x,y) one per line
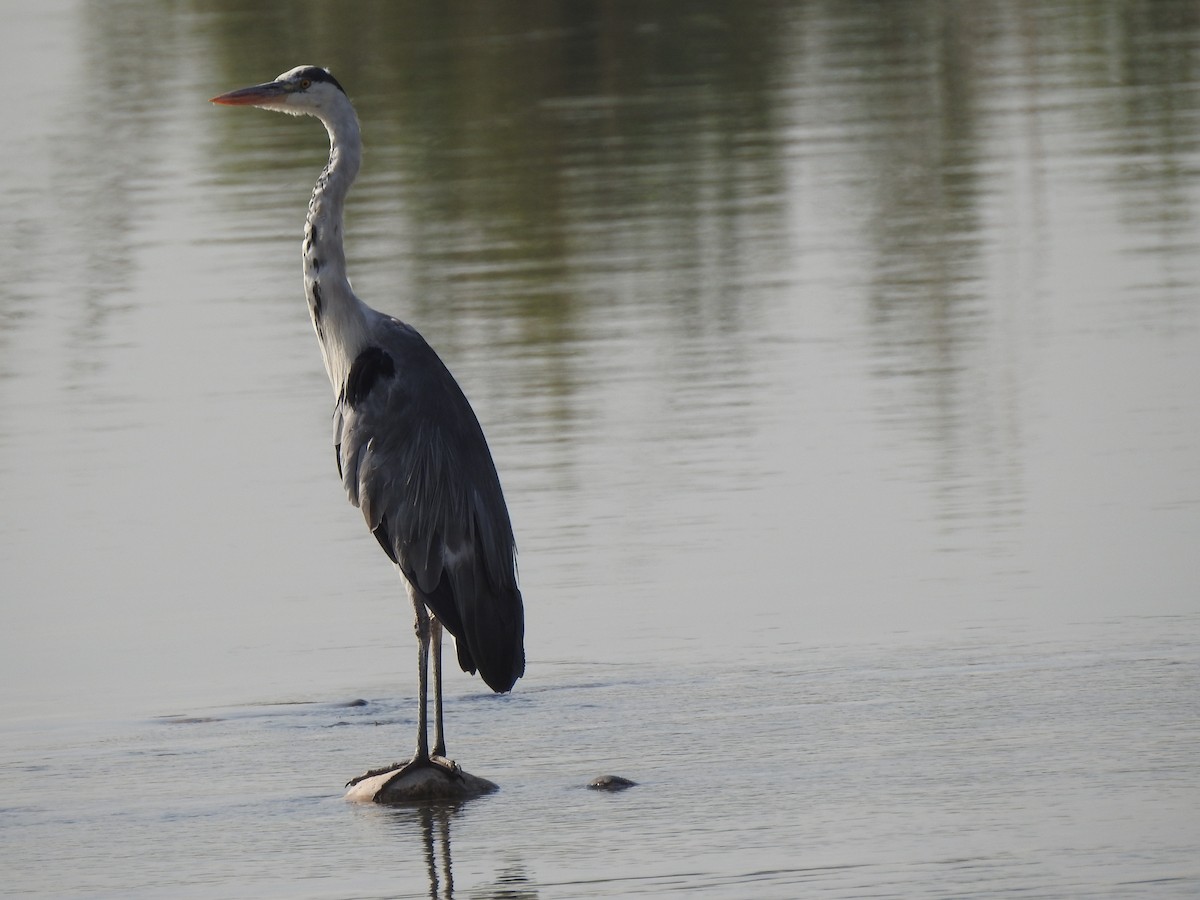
(413,458)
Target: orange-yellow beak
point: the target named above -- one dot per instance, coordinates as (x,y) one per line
(272,93)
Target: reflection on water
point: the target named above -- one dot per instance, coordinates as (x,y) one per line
(435,830)
(435,825)
(794,327)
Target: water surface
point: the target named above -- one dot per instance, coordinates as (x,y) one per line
(840,363)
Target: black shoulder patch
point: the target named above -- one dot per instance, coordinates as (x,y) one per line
(316,73)
(369,367)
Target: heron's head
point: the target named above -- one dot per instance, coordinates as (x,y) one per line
(304,90)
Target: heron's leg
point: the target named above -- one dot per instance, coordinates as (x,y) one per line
(429,637)
(423,630)
(435,648)
(421,756)
(429,632)
(439,739)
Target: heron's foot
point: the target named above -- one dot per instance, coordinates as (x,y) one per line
(371,773)
(447,766)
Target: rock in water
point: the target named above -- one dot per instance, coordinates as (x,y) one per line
(424,785)
(610,783)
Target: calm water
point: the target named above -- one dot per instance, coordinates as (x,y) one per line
(842,366)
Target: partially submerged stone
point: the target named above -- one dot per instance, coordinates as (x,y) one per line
(427,784)
(610,783)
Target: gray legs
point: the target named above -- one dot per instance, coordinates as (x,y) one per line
(429,642)
(422,628)
(429,639)
(435,647)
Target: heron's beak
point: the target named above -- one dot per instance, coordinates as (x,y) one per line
(271,93)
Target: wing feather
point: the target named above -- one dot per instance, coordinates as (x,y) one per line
(413,458)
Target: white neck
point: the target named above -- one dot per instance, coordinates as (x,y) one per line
(339,318)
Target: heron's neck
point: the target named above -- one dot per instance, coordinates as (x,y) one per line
(338,316)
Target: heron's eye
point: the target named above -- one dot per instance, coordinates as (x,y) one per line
(305,84)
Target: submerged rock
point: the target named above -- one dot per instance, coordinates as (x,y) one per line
(610,783)
(424,785)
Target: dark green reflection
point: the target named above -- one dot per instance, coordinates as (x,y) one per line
(537,148)
(560,175)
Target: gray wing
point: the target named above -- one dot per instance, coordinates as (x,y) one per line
(413,458)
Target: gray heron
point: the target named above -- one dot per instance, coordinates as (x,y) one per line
(410,451)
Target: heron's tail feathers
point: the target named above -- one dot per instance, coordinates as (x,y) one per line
(488,626)
(493,639)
